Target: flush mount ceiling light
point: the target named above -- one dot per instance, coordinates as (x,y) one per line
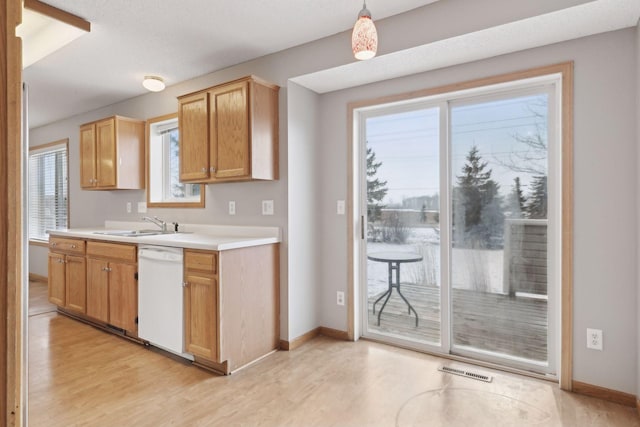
(153,83)
(364,39)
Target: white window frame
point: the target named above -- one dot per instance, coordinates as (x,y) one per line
(159,192)
(36,210)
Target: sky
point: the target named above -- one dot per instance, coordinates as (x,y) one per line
(407,143)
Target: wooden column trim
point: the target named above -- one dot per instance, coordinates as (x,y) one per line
(565,69)
(12,405)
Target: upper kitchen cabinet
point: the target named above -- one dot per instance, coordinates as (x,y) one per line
(112,154)
(229,132)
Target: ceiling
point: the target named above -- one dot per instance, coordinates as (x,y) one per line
(178,40)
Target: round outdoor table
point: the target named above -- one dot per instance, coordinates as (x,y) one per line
(393,260)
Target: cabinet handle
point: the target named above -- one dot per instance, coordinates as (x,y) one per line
(107,269)
(185,284)
(212,169)
(204,170)
(54,244)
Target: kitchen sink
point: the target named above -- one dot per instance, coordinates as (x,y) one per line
(129,233)
(135,233)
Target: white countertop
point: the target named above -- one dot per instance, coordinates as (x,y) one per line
(194,236)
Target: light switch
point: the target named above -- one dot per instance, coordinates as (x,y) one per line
(142,207)
(340,207)
(128,207)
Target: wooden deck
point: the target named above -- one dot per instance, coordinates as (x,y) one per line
(505,324)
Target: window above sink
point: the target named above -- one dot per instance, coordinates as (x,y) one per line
(164,188)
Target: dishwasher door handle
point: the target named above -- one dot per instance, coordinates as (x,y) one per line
(160,255)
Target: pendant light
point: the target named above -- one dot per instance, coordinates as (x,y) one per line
(364,39)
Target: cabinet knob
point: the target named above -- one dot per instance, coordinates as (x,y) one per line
(204,170)
(54,244)
(73,246)
(185,284)
(212,169)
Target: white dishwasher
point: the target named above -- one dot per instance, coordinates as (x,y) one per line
(160,298)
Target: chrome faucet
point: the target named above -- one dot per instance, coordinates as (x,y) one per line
(157,221)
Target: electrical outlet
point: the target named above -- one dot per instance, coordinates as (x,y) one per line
(340,207)
(267,207)
(340,298)
(594,339)
(232,207)
(128,207)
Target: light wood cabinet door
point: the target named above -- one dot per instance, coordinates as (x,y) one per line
(201,316)
(229,130)
(98,289)
(88,156)
(123,296)
(76,283)
(106,154)
(57,279)
(193,116)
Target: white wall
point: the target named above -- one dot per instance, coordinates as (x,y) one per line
(605,191)
(305,230)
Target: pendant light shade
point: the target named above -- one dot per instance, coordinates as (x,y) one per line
(364,39)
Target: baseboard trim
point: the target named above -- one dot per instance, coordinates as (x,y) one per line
(304,338)
(297,342)
(334,333)
(608,394)
(37,278)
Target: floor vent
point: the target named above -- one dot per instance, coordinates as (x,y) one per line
(468,374)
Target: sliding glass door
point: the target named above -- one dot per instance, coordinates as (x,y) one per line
(462,224)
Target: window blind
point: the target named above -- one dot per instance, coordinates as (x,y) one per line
(48,190)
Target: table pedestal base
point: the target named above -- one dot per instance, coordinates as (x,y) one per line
(393,266)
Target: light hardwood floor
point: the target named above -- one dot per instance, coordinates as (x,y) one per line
(79,375)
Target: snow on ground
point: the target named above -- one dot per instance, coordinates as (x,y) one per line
(480,270)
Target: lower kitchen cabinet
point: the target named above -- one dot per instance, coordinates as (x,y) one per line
(231,296)
(112,286)
(201,304)
(67,269)
(232,305)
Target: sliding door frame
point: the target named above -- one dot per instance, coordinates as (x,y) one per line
(355,232)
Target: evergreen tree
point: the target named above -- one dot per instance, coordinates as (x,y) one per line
(516,202)
(537,206)
(376,189)
(477,204)
(470,185)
